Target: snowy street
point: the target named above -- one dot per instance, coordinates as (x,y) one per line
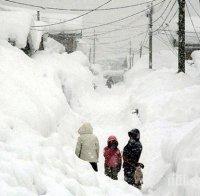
(113,84)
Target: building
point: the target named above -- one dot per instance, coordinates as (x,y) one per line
(192,42)
(26,30)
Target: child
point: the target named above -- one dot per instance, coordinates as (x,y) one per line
(113,159)
(138,176)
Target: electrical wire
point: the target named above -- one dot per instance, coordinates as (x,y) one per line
(79,10)
(122,40)
(192,22)
(96,26)
(163,12)
(74,18)
(159,28)
(161,40)
(119,29)
(114,30)
(193,8)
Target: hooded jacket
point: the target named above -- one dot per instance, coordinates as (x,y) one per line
(112,155)
(87,147)
(133,150)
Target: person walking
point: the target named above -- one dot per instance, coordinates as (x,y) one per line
(87,147)
(131,155)
(113,158)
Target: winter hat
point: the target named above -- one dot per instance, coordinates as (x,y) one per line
(112,138)
(134,134)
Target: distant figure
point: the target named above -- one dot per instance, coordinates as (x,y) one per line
(138,176)
(109,82)
(131,156)
(94,86)
(87,147)
(113,158)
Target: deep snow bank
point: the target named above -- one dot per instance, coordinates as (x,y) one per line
(38,123)
(15,25)
(170,112)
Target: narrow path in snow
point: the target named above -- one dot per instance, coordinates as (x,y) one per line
(109,112)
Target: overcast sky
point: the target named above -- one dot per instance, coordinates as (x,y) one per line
(118,49)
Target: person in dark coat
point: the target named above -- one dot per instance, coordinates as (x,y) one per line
(110,82)
(131,155)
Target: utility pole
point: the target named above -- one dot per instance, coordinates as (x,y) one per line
(141,51)
(38,15)
(181,37)
(90,54)
(94,48)
(130,55)
(133,56)
(150,16)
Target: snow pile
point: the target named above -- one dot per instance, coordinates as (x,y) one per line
(15,25)
(169,111)
(38,126)
(52,45)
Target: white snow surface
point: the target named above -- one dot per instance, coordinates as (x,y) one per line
(170,115)
(45,100)
(16,26)
(43,103)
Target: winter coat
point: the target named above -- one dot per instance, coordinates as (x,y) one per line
(87,147)
(132,152)
(112,156)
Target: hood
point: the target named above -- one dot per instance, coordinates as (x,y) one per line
(134,134)
(112,138)
(86,128)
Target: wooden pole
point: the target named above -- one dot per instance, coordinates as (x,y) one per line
(150,35)
(94,48)
(38,15)
(181,37)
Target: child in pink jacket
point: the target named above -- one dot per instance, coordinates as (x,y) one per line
(113,158)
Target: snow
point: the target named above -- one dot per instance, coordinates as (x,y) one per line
(42,103)
(46,98)
(15,25)
(52,45)
(169,111)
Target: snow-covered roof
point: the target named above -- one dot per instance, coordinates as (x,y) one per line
(15,25)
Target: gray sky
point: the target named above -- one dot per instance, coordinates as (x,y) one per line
(115,49)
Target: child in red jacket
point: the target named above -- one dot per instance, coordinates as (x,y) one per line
(113,158)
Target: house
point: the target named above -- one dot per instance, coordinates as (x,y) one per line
(21,29)
(192,42)
(66,33)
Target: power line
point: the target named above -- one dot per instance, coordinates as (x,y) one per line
(133,26)
(78,10)
(96,26)
(162,12)
(80,16)
(122,40)
(166,17)
(164,29)
(160,39)
(193,8)
(114,30)
(192,22)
